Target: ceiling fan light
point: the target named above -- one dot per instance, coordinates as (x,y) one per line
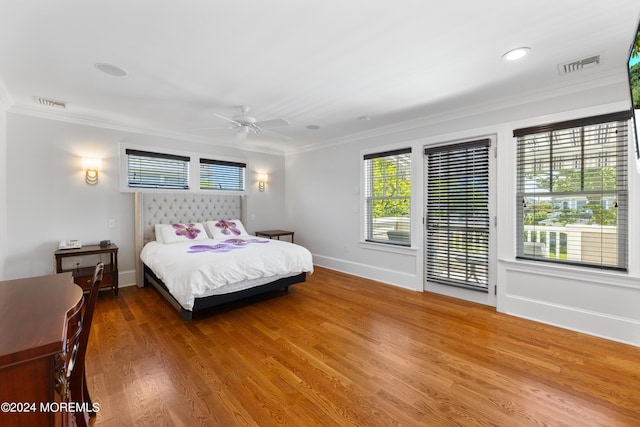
(245,120)
(517,53)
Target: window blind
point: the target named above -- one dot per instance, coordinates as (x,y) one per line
(457,220)
(222,175)
(388,197)
(147,169)
(572,201)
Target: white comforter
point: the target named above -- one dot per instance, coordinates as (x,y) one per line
(196,269)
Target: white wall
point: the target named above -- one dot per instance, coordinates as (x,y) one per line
(325,209)
(48,200)
(3,190)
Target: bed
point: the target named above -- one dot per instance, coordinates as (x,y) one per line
(194,250)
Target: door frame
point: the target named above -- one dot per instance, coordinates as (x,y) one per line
(487,298)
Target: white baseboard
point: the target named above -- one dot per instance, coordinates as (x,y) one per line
(590,301)
(391,277)
(602,325)
(126,278)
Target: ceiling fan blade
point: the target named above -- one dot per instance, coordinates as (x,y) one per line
(212,128)
(227,119)
(272,123)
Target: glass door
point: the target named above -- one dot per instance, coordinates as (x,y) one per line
(458,212)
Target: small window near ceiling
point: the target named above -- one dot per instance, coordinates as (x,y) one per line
(572,199)
(222,175)
(388,197)
(147,169)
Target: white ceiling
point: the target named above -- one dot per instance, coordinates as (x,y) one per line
(322,62)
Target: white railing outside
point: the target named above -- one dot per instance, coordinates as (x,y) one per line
(583,242)
(391,228)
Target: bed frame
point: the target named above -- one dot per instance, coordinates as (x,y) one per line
(170,208)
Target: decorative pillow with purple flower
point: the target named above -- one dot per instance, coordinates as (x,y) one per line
(226,228)
(171,233)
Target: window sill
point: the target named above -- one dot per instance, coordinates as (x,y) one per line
(585,274)
(181,190)
(383,247)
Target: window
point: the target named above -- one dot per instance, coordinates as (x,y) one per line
(574,212)
(388,197)
(457,200)
(221,175)
(157,170)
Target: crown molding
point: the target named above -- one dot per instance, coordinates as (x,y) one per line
(124,127)
(563,88)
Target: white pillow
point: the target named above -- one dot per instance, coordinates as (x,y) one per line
(171,233)
(226,228)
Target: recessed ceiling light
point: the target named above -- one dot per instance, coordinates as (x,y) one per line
(517,53)
(112,70)
(313,127)
(364,118)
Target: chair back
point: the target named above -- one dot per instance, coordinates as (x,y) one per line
(87,316)
(77,375)
(74,328)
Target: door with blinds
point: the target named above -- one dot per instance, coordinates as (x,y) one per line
(458,217)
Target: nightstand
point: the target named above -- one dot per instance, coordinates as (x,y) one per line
(83,276)
(275,233)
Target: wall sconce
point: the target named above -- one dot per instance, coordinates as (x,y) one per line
(91,167)
(262,180)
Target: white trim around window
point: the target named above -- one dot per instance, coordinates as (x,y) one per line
(572,192)
(376,244)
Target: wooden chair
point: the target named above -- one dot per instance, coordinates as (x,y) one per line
(74,328)
(77,377)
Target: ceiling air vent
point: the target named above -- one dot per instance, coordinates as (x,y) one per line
(580,64)
(50,102)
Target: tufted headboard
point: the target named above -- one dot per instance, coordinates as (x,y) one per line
(171,208)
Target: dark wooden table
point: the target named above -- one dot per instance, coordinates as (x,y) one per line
(275,233)
(83,276)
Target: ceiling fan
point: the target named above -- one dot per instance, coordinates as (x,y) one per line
(244,124)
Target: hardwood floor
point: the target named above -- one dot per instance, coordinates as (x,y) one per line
(344,351)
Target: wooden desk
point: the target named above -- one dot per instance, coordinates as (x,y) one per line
(275,233)
(33,329)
